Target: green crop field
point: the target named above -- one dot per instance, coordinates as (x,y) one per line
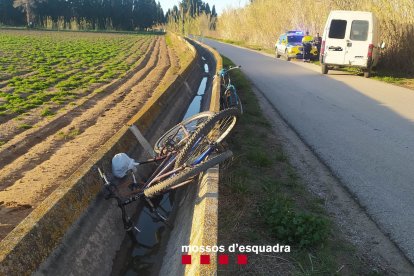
(63,95)
(57,67)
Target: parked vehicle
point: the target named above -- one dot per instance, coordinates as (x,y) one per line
(289,45)
(350,39)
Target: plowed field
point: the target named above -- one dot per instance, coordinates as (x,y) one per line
(64,94)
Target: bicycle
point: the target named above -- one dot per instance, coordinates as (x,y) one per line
(228,92)
(175,137)
(188,161)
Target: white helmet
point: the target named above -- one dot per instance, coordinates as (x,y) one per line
(121,164)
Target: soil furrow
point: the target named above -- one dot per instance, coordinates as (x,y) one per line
(32,152)
(158,73)
(51,172)
(22,143)
(141,44)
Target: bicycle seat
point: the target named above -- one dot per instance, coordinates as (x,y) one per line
(121,164)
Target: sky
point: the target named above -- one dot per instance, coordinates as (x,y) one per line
(220,4)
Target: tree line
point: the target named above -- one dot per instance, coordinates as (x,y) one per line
(82,14)
(190,8)
(103,14)
(191,16)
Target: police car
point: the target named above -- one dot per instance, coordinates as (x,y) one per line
(289,45)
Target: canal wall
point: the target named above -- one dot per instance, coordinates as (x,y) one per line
(197,215)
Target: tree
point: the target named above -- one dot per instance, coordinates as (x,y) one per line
(208,11)
(213,11)
(160,14)
(145,13)
(27,6)
(10,15)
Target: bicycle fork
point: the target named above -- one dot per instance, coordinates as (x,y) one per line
(128,224)
(154,210)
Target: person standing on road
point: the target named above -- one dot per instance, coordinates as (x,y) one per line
(306,42)
(318,41)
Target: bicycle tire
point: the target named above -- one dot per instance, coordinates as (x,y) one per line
(239,104)
(212,131)
(191,122)
(186,174)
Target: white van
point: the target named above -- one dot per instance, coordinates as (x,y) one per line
(350,38)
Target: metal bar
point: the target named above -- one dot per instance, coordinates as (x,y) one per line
(163,174)
(141,139)
(166,163)
(182,183)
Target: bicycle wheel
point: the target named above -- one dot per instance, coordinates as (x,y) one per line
(175,137)
(239,103)
(186,174)
(211,132)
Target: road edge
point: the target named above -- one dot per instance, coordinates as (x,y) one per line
(356,225)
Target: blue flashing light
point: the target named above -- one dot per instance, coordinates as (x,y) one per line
(295,32)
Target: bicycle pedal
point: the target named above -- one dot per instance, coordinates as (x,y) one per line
(155,219)
(107,194)
(133,186)
(158,218)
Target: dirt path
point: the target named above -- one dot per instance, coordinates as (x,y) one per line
(34,162)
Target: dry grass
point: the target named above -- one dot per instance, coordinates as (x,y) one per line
(261,23)
(197,26)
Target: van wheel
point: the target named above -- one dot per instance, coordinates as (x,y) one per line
(324,69)
(286,56)
(367,73)
(277,53)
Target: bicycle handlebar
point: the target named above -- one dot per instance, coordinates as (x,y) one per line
(224,72)
(235,67)
(103,176)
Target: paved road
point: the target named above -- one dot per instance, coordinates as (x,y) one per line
(361,128)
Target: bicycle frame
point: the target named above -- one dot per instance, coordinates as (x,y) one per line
(162,172)
(178,135)
(228,93)
(225,72)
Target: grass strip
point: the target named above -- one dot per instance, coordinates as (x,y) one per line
(262,201)
(246,45)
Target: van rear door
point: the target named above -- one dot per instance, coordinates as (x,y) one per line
(335,42)
(358,43)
